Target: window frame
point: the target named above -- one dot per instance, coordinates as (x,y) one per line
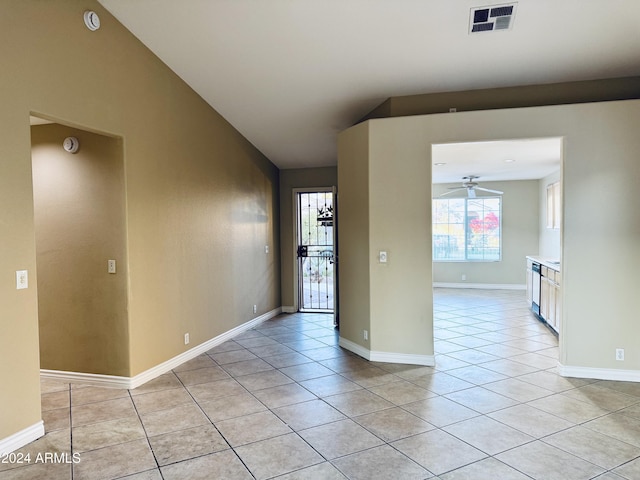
(466,258)
(554,208)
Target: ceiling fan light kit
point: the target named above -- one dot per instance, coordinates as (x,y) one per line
(470,185)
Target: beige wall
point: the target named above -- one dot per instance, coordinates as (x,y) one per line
(290,179)
(601,147)
(607,89)
(79,208)
(385,187)
(201,201)
(520,212)
(353,234)
(400,224)
(19,350)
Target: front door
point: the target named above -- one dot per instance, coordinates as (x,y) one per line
(315,251)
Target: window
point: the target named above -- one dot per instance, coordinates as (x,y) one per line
(553,205)
(467,229)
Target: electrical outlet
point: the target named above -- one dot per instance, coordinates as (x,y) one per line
(382,257)
(255,309)
(111,266)
(186,339)
(365,334)
(266,249)
(620,354)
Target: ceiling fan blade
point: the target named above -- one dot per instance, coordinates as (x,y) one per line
(453,190)
(489,190)
(471,192)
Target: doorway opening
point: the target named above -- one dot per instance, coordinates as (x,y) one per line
(475,246)
(315,252)
(81,261)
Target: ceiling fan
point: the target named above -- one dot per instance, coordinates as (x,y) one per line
(471,186)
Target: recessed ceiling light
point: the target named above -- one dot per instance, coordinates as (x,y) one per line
(439,164)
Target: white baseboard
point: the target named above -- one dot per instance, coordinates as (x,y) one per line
(355,348)
(94,379)
(599,373)
(483,286)
(172,363)
(289,309)
(386,357)
(164,367)
(21,438)
(406,358)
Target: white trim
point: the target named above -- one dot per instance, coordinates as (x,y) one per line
(95,379)
(164,367)
(485,286)
(291,309)
(599,373)
(386,357)
(355,348)
(21,438)
(407,358)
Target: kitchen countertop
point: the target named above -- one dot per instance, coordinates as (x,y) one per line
(551,263)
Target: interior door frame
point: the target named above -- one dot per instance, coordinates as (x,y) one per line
(296,279)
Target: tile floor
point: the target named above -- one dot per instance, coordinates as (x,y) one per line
(282,400)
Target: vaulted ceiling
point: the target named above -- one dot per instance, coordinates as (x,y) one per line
(291,74)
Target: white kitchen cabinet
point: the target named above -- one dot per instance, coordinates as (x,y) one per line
(551,308)
(544,293)
(558,302)
(549,296)
(529,281)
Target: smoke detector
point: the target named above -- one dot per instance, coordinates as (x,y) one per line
(71,144)
(492,18)
(91,20)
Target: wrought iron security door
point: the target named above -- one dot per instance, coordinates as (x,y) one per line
(316,251)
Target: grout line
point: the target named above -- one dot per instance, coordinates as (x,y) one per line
(73,466)
(146,435)
(213,424)
(531,334)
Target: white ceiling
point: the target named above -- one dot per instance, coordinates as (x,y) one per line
(291,74)
(496,161)
(38,121)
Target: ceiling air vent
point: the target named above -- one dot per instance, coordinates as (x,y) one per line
(492,18)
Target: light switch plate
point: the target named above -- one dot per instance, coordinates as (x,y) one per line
(22,279)
(111,266)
